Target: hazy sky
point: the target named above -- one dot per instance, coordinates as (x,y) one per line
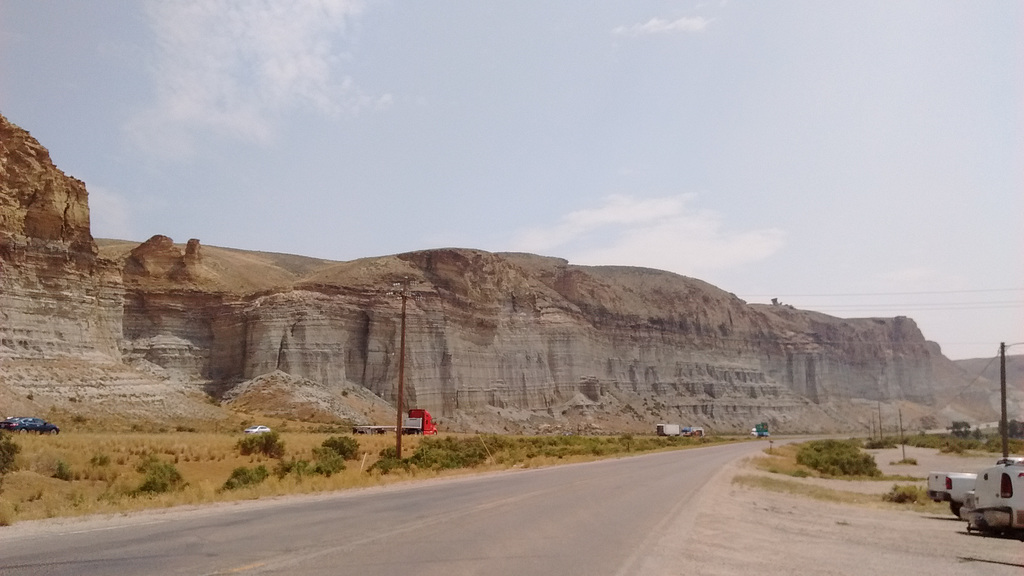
(853,157)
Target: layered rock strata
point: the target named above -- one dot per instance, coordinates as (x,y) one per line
(486,333)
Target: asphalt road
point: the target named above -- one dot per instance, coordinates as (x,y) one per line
(599,518)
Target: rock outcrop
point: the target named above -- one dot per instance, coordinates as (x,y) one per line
(515,341)
(56,296)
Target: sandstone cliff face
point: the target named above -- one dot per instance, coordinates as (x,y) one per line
(512,336)
(56,297)
(511,331)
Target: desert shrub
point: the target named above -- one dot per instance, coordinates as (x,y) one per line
(159,477)
(327,461)
(8,450)
(344,446)
(389,461)
(243,476)
(62,471)
(925,440)
(449,452)
(953,446)
(837,458)
(907,461)
(99,460)
(881,443)
(268,444)
(298,467)
(905,494)
(995,444)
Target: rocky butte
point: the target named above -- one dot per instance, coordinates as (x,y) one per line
(495,341)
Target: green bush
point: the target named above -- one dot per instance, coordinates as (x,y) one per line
(905,494)
(243,476)
(159,476)
(837,458)
(449,452)
(389,461)
(8,450)
(925,440)
(268,444)
(62,471)
(344,446)
(298,467)
(954,446)
(99,460)
(995,444)
(881,443)
(327,461)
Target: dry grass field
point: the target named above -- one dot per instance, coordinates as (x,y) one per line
(93,472)
(81,473)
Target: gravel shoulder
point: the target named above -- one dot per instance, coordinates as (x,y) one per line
(741,530)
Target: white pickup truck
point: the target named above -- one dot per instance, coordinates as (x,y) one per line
(950,487)
(996,506)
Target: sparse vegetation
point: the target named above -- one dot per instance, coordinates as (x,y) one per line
(905,494)
(268,444)
(837,458)
(124,471)
(787,486)
(344,446)
(159,477)
(8,451)
(243,476)
(62,471)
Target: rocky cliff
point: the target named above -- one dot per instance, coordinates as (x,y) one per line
(495,340)
(56,296)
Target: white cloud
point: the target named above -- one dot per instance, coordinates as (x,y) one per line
(230,66)
(664,233)
(660,26)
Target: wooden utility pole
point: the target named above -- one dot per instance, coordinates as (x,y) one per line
(1004,425)
(902,443)
(880,435)
(401,378)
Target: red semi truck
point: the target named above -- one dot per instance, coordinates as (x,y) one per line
(417,421)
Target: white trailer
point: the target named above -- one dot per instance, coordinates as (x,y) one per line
(668,430)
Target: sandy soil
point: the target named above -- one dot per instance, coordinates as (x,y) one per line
(741,530)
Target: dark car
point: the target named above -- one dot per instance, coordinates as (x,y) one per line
(25,425)
(9,423)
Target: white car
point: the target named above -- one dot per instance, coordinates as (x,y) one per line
(257,430)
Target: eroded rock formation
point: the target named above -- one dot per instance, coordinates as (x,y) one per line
(513,336)
(56,296)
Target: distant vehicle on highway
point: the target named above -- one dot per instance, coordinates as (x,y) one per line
(26,425)
(257,430)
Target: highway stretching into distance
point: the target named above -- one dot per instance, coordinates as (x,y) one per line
(597,518)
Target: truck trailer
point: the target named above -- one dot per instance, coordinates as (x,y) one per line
(417,421)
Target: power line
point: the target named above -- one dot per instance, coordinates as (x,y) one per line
(919,293)
(919,306)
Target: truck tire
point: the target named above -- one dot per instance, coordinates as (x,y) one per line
(954,507)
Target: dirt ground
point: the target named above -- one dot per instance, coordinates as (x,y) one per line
(740,530)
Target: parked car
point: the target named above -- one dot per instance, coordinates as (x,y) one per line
(257,430)
(25,425)
(8,422)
